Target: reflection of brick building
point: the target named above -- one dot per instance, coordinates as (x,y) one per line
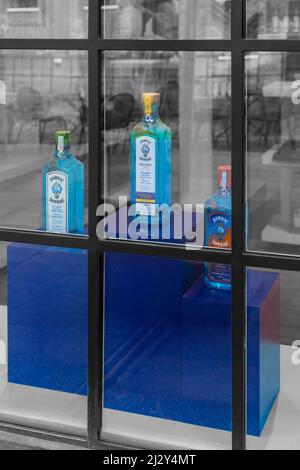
(41,83)
(204,19)
(43,71)
(273,19)
(43,18)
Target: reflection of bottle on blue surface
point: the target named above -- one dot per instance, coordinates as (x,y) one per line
(63,188)
(218,229)
(151,163)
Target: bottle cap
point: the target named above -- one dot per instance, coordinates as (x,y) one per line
(150,99)
(224,175)
(63,139)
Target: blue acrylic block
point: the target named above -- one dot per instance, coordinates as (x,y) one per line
(168,343)
(143,332)
(47,317)
(207,352)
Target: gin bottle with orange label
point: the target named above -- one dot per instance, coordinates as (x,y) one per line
(218,229)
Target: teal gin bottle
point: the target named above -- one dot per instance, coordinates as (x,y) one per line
(63,190)
(218,233)
(151,165)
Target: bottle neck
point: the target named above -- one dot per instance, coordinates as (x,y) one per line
(62,153)
(151,114)
(224,183)
(224,190)
(151,118)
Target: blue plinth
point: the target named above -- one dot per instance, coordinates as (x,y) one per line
(167,337)
(143,332)
(168,343)
(47,317)
(207,352)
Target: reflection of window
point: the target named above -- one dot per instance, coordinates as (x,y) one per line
(23,4)
(24,13)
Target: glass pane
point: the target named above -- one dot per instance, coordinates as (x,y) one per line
(42,92)
(41,19)
(273,19)
(273,151)
(273,360)
(167,373)
(167,146)
(43,337)
(166,19)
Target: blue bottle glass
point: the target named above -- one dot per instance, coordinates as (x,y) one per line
(151,164)
(63,190)
(218,233)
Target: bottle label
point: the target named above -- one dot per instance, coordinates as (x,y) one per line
(57,202)
(220,273)
(219,231)
(219,236)
(145,175)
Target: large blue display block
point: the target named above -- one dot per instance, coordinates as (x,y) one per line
(207,352)
(167,337)
(168,343)
(143,332)
(47,317)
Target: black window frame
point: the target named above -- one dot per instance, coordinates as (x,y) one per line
(238,258)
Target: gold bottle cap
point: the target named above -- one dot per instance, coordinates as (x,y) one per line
(149,99)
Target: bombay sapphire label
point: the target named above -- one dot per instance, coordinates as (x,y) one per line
(219,231)
(145,175)
(57,202)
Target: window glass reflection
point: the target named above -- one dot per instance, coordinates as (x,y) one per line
(273,156)
(41,92)
(166,19)
(273,357)
(273,19)
(65,19)
(43,341)
(167,355)
(190,116)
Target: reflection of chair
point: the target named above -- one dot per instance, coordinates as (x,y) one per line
(293,123)
(83,118)
(222,119)
(263,116)
(119,112)
(169,107)
(43,122)
(118,117)
(77,103)
(29,104)
(255,124)
(30,108)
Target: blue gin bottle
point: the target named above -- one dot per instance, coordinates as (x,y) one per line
(63,190)
(218,229)
(151,165)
